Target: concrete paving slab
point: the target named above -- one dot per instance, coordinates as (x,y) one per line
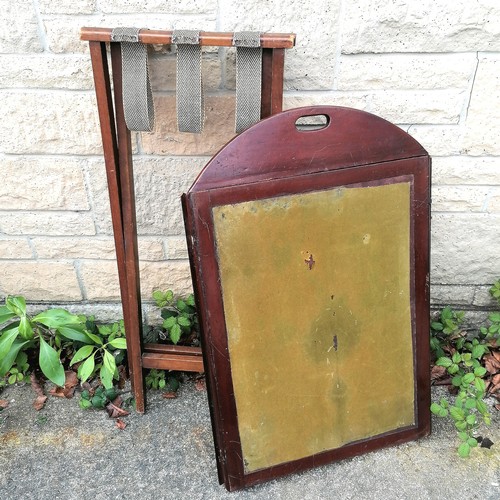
(63,452)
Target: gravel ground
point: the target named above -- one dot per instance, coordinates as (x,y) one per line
(62,452)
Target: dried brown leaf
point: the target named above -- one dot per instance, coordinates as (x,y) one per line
(39,402)
(35,385)
(69,386)
(122,374)
(200,385)
(437,372)
(494,384)
(169,395)
(491,363)
(120,424)
(114,408)
(3,404)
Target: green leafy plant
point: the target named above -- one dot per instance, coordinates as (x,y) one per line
(469,408)
(446,330)
(179,315)
(97,399)
(158,379)
(54,335)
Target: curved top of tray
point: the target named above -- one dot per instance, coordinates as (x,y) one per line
(274,148)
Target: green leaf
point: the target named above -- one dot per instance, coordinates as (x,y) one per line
(106,377)
(25,328)
(181,305)
(85,404)
(12,379)
(471,419)
(463,436)
(481,407)
(170,322)
(480,371)
(175,333)
(477,351)
(472,442)
(457,413)
(480,385)
(470,403)
(50,364)
(119,343)
(95,338)
(75,332)
(86,368)
(190,300)
(446,362)
(456,358)
(16,304)
(464,450)
(7,339)
(8,360)
(5,314)
(461,426)
(55,318)
(436,408)
(468,378)
(184,321)
(109,362)
(454,368)
(495,317)
(456,381)
(82,353)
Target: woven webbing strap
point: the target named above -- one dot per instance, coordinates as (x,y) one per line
(137,96)
(189,89)
(248,78)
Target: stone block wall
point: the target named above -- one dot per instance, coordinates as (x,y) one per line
(432,67)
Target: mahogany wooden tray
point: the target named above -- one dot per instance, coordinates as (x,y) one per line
(310,257)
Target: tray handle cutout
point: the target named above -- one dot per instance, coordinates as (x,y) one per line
(311,123)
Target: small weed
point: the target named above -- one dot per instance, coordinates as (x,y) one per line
(179,316)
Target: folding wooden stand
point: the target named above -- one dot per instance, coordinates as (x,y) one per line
(119,169)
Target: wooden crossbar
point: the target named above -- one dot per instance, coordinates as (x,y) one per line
(119,170)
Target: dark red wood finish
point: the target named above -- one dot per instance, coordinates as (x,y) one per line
(119,170)
(271,159)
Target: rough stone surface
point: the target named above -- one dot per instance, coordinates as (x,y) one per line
(49,122)
(19,27)
(466,170)
(46,71)
(166,139)
(444,295)
(176,433)
(460,198)
(159,183)
(153,6)
(425,26)
(100,279)
(310,65)
(482,298)
(405,71)
(44,281)
(176,248)
(425,106)
(162,71)
(15,248)
(31,183)
(47,223)
(465,248)
(67,6)
(483,127)
(438,140)
(92,248)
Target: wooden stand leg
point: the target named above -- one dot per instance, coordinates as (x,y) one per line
(118,161)
(273,62)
